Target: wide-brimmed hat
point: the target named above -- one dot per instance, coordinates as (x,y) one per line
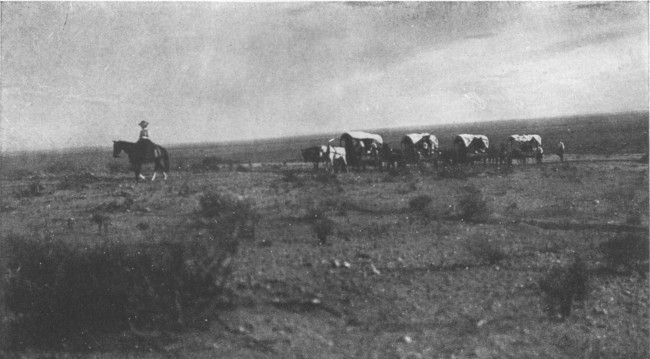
(143,123)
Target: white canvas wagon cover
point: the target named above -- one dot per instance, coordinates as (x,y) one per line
(467,139)
(414,138)
(360,135)
(526,138)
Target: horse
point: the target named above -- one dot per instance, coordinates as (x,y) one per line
(137,158)
(362,157)
(447,156)
(391,156)
(312,154)
(332,155)
(497,156)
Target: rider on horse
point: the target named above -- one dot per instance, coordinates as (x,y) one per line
(144,143)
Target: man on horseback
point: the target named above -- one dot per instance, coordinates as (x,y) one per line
(145,146)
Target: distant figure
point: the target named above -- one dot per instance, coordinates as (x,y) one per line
(539,154)
(560,150)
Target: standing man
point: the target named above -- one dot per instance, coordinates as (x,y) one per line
(560,150)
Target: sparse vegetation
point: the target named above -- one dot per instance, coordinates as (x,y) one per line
(400,274)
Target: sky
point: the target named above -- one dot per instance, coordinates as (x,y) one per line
(79,74)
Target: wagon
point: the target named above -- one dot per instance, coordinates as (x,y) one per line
(469,148)
(420,147)
(523,147)
(361,148)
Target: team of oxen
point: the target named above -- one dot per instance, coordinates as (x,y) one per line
(358,149)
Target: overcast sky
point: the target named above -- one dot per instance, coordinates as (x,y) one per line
(84,74)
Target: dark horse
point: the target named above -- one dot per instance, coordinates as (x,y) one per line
(313,155)
(137,157)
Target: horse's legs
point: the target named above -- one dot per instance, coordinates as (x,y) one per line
(156,167)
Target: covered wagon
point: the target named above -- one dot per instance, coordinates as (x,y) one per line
(470,148)
(361,148)
(523,147)
(420,147)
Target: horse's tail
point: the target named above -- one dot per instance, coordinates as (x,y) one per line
(165,159)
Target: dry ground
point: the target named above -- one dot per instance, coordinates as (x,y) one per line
(390,282)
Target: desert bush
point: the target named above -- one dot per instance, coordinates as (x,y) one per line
(408,187)
(485,250)
(208,164)
(76,181)
(326,178)
(234,214)
(473,205)
(634,217)
(119,204)
(398,174)
(627,252)
(561,286)
(291,176)
(242,168)
(34,188)
(419,203)
(323,227)
(62,294)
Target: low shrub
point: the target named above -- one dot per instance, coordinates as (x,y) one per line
(627,252)
(419,203)
(76,181)
(34,188)
(562,286)
(242,168)
(473,205)
(291,176)
(323,227)
(326,178)
(209,164)
(234,214)
(485,250)
(59,294)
